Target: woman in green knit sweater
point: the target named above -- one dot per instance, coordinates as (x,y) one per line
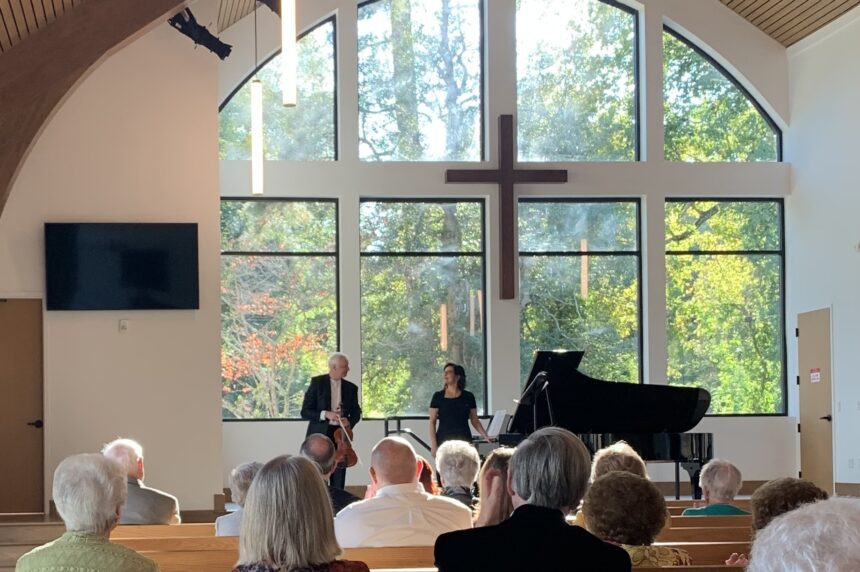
(89,491)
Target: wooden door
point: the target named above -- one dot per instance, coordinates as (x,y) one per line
(21,435)
(816,401)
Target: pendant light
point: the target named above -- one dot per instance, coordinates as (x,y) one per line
(256,122)
(289,52)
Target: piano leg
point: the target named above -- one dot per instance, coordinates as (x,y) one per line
(693,468)
(677,480)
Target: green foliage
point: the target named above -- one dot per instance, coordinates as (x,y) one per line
(422,309)
(576,301)
(419,80)
(706,117)
(724,310)
(278,313)
(575,81)
(301,133)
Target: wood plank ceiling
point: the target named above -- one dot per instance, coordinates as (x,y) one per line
(22,18)
(789,21)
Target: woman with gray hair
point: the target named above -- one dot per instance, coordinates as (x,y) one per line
(720,481)
(240,479)
(458,464)
(89,492)
(288,525)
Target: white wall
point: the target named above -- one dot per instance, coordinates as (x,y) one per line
(136,141)
(824,263)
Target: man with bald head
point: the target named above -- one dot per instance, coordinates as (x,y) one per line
(400,513)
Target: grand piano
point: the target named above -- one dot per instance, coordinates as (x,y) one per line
(653,419)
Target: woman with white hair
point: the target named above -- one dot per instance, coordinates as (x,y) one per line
(288,525)
(720,481)
(89,492)
(240,481)
(458,464)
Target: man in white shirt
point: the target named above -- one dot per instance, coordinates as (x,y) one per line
(401,513)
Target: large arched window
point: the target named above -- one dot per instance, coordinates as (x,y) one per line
(709,116)
(302,133)
(576,81)
(419,80)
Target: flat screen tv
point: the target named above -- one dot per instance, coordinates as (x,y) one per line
(121,266)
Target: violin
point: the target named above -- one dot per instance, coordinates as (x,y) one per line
(345,455)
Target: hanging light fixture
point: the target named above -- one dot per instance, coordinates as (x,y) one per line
(256,123)
(289,52)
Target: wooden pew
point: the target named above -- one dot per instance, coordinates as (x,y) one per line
(220,553)
(710,521)
(745,504)
(163,530)
(706,534)
(710,552)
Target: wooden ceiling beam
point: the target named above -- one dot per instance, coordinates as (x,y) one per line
(36,74)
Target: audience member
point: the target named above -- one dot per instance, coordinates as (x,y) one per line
(547,478)
(780,496)
(818,537)
(458,463)
(617,457)
(321,450)
(144,505)
(288,523)
(494,504)
(427,477)
(629,510)
(89,492)
(720,481)
(401,513)
(240,479)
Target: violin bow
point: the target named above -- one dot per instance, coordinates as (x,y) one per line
(346,435)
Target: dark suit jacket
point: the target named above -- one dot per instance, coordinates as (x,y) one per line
(340,499)
(533,539)
(318,399)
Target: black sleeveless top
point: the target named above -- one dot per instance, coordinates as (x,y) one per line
(453,415)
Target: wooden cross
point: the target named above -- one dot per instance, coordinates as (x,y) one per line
(507,176)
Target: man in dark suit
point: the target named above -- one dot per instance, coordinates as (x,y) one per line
(547,478)
(329,401)
(320,449)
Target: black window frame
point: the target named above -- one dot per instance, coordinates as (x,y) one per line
(436,254)
(637,92)
(780,203)
(482,51)
(280,254)
(331,19)
(734,81)
(578,254)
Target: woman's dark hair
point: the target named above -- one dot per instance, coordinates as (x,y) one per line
(780,496)
(460,372)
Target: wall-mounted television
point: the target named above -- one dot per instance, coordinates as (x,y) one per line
(121,266)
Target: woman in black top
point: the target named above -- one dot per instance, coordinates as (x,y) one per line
(453,407)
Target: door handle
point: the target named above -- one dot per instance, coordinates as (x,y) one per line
(827,418)
(37,423)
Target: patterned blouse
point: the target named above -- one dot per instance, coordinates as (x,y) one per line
(657,556)
(336,566)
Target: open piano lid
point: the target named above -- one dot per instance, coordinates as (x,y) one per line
(583,404)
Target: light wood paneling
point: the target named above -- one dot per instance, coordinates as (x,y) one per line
(20,19)
(789,21)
